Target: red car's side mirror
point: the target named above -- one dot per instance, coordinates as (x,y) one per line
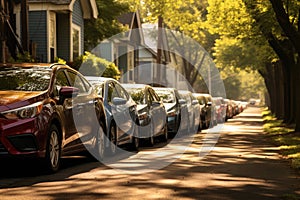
(68,92)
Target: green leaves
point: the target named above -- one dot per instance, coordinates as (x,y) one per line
(106,25)
(91,65)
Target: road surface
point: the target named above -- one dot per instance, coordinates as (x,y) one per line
(242,165)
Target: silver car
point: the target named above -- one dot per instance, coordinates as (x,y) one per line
(151,110)
(121,113)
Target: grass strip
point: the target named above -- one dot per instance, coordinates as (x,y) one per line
(284,137)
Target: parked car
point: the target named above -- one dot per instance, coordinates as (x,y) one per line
(177,113)
(121,113)
(46,111)
(205,112)
(151,111)
(229,109)
(220,109)
(193,110)
(210,110)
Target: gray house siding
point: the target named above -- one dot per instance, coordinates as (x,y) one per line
(38,33)
(63,36)
(104,50)
(77,18)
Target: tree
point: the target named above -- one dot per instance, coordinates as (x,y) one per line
(106,25)
(271,29)
(285,42)
(186,18)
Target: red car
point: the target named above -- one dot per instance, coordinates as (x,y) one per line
(47,111)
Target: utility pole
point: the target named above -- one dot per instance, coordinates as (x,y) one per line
(24,29)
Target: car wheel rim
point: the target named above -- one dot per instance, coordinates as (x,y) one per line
(136,142)
(152,140)
(54,149)
(166,133)
(113,139)
(101,143)
(151,135)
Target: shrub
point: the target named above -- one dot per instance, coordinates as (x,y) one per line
(91,65)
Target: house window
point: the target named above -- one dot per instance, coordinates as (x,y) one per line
(76,40)
(130,64)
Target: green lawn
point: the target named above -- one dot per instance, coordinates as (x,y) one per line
(284,137)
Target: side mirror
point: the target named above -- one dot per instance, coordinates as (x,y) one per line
(182,101)
(119,101)
(155,103)
(68,92)
(195,102)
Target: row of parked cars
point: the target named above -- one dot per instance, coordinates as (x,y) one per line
(51,110)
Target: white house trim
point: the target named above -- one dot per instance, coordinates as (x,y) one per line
(77,28)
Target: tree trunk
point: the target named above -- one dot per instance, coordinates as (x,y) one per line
(296,95)
(269,82)
(278,84)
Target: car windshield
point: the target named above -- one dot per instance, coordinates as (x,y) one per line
(166,95)
(137,95)
(99,88)
(24,79)
(201,100)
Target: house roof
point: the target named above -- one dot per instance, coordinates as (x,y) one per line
(126,18)
(60,2)
(132,19)
(89,7)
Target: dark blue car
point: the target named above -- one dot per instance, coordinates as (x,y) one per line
(121,113)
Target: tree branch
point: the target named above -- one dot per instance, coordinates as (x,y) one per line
(283,20)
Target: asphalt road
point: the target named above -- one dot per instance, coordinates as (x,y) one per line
(242,165)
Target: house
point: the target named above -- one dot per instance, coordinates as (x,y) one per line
(123,49)
(135,59)
(56,28)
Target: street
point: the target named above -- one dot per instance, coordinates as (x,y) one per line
(242,165)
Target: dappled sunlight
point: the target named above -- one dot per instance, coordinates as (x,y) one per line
(240,166)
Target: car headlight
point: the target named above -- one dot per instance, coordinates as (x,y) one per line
(24,112)
(143,116)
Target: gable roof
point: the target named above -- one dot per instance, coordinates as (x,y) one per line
(133,20)
(89,7)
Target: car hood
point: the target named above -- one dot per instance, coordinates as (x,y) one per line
(141,107)
(15,99)
(169,106)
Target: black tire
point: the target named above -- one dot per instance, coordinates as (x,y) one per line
(151,139)
(53,150)
(100,149)
(112,139)
(135,140)
(200,126)
(165,136)
(135,145)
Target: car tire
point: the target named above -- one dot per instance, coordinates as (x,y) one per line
(100,148)
(113,139)
(151,139)
(200,126)
(53,150)
(135,144)
(165,136)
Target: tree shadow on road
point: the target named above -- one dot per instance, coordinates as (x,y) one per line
(243,165)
